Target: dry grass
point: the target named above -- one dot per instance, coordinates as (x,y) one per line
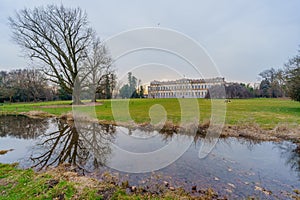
(2,152)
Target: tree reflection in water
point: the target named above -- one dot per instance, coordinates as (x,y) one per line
(85,147)
(290,152)
(22,127)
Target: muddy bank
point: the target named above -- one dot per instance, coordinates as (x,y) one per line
(282,132)
(37,114)
(109,183)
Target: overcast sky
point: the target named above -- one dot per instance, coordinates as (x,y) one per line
(242,37)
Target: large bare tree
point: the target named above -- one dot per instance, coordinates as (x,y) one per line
(57,36)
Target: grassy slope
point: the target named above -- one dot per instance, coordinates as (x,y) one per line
(266,112)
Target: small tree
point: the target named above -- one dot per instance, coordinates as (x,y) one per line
(272,84)
(293,77)
(129,90)
(7,88)
(141,92)
(264,88)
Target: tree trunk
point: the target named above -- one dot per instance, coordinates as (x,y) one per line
(76,100)
(76,95)
(94,99)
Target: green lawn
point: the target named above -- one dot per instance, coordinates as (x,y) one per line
(265,112)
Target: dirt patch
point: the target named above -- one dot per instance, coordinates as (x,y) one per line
(65,172)
(69,106)
(37,113)
(67,116)
(80,117)
(255,132)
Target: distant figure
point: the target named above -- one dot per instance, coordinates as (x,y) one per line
(227,100)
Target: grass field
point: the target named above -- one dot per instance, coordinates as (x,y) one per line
(267,113)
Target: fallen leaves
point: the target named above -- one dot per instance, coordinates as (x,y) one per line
(266,192)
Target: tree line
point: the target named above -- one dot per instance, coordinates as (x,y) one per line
(284,82)
(24,85)
(27,85)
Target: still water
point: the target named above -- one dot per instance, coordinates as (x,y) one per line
(235,168)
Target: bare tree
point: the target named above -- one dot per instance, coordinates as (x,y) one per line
(292,70)
(58,37)
(32,83)
(7,89)
(99,69)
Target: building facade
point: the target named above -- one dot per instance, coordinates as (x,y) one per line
(182,88)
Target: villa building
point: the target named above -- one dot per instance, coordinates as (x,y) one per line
(182,88)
